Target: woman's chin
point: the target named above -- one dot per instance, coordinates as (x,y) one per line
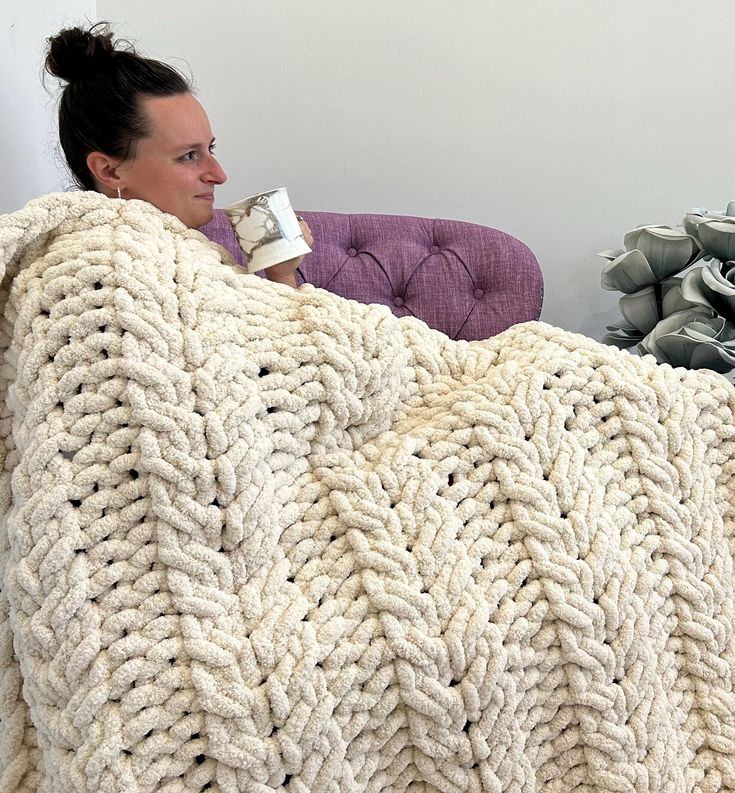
(200,217)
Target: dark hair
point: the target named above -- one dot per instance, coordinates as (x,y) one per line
(100,107)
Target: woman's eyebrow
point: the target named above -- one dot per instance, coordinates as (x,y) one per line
(194,145)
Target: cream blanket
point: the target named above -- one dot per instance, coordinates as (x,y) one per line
(254,537)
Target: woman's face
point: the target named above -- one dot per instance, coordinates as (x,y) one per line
(173,167)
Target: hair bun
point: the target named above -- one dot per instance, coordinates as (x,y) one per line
(77,54)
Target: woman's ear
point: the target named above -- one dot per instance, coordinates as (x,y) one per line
(104,170)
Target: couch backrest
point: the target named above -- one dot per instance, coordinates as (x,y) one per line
(466,280)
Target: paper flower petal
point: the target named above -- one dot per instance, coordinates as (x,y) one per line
(718,238)
(691,221)
(628,273)
(668,251)
(631,238)
(641,309)
(622,336)
(611,254)
(673,298)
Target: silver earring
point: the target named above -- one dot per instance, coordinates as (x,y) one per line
(119,194)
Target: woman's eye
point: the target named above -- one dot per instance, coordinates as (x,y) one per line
(190,155)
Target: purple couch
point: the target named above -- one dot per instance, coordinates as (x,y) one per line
(466,280)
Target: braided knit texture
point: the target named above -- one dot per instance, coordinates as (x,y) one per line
(257,539)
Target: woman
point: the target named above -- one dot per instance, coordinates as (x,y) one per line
(130,127)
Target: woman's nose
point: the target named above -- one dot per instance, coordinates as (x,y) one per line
(215,174)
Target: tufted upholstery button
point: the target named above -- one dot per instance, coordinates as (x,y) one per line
(435,249)
(398,301)
(352,251)
(479,293)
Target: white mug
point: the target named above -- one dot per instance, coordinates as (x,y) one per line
(267,229)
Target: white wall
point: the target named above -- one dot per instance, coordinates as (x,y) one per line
(565,123)
(28,150)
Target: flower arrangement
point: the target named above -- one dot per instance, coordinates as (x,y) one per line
(678,287)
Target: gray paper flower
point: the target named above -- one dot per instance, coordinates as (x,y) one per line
(717,237)
(644,309)
(712,285)
(694,339)
(687,319)
(698,215)
(652,254)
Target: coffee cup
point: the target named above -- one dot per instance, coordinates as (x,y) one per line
(267,229)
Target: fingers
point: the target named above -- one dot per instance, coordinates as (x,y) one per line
(306,231)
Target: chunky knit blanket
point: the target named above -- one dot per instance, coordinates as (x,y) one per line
(257,539)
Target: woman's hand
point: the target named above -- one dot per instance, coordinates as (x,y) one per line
(285,272)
